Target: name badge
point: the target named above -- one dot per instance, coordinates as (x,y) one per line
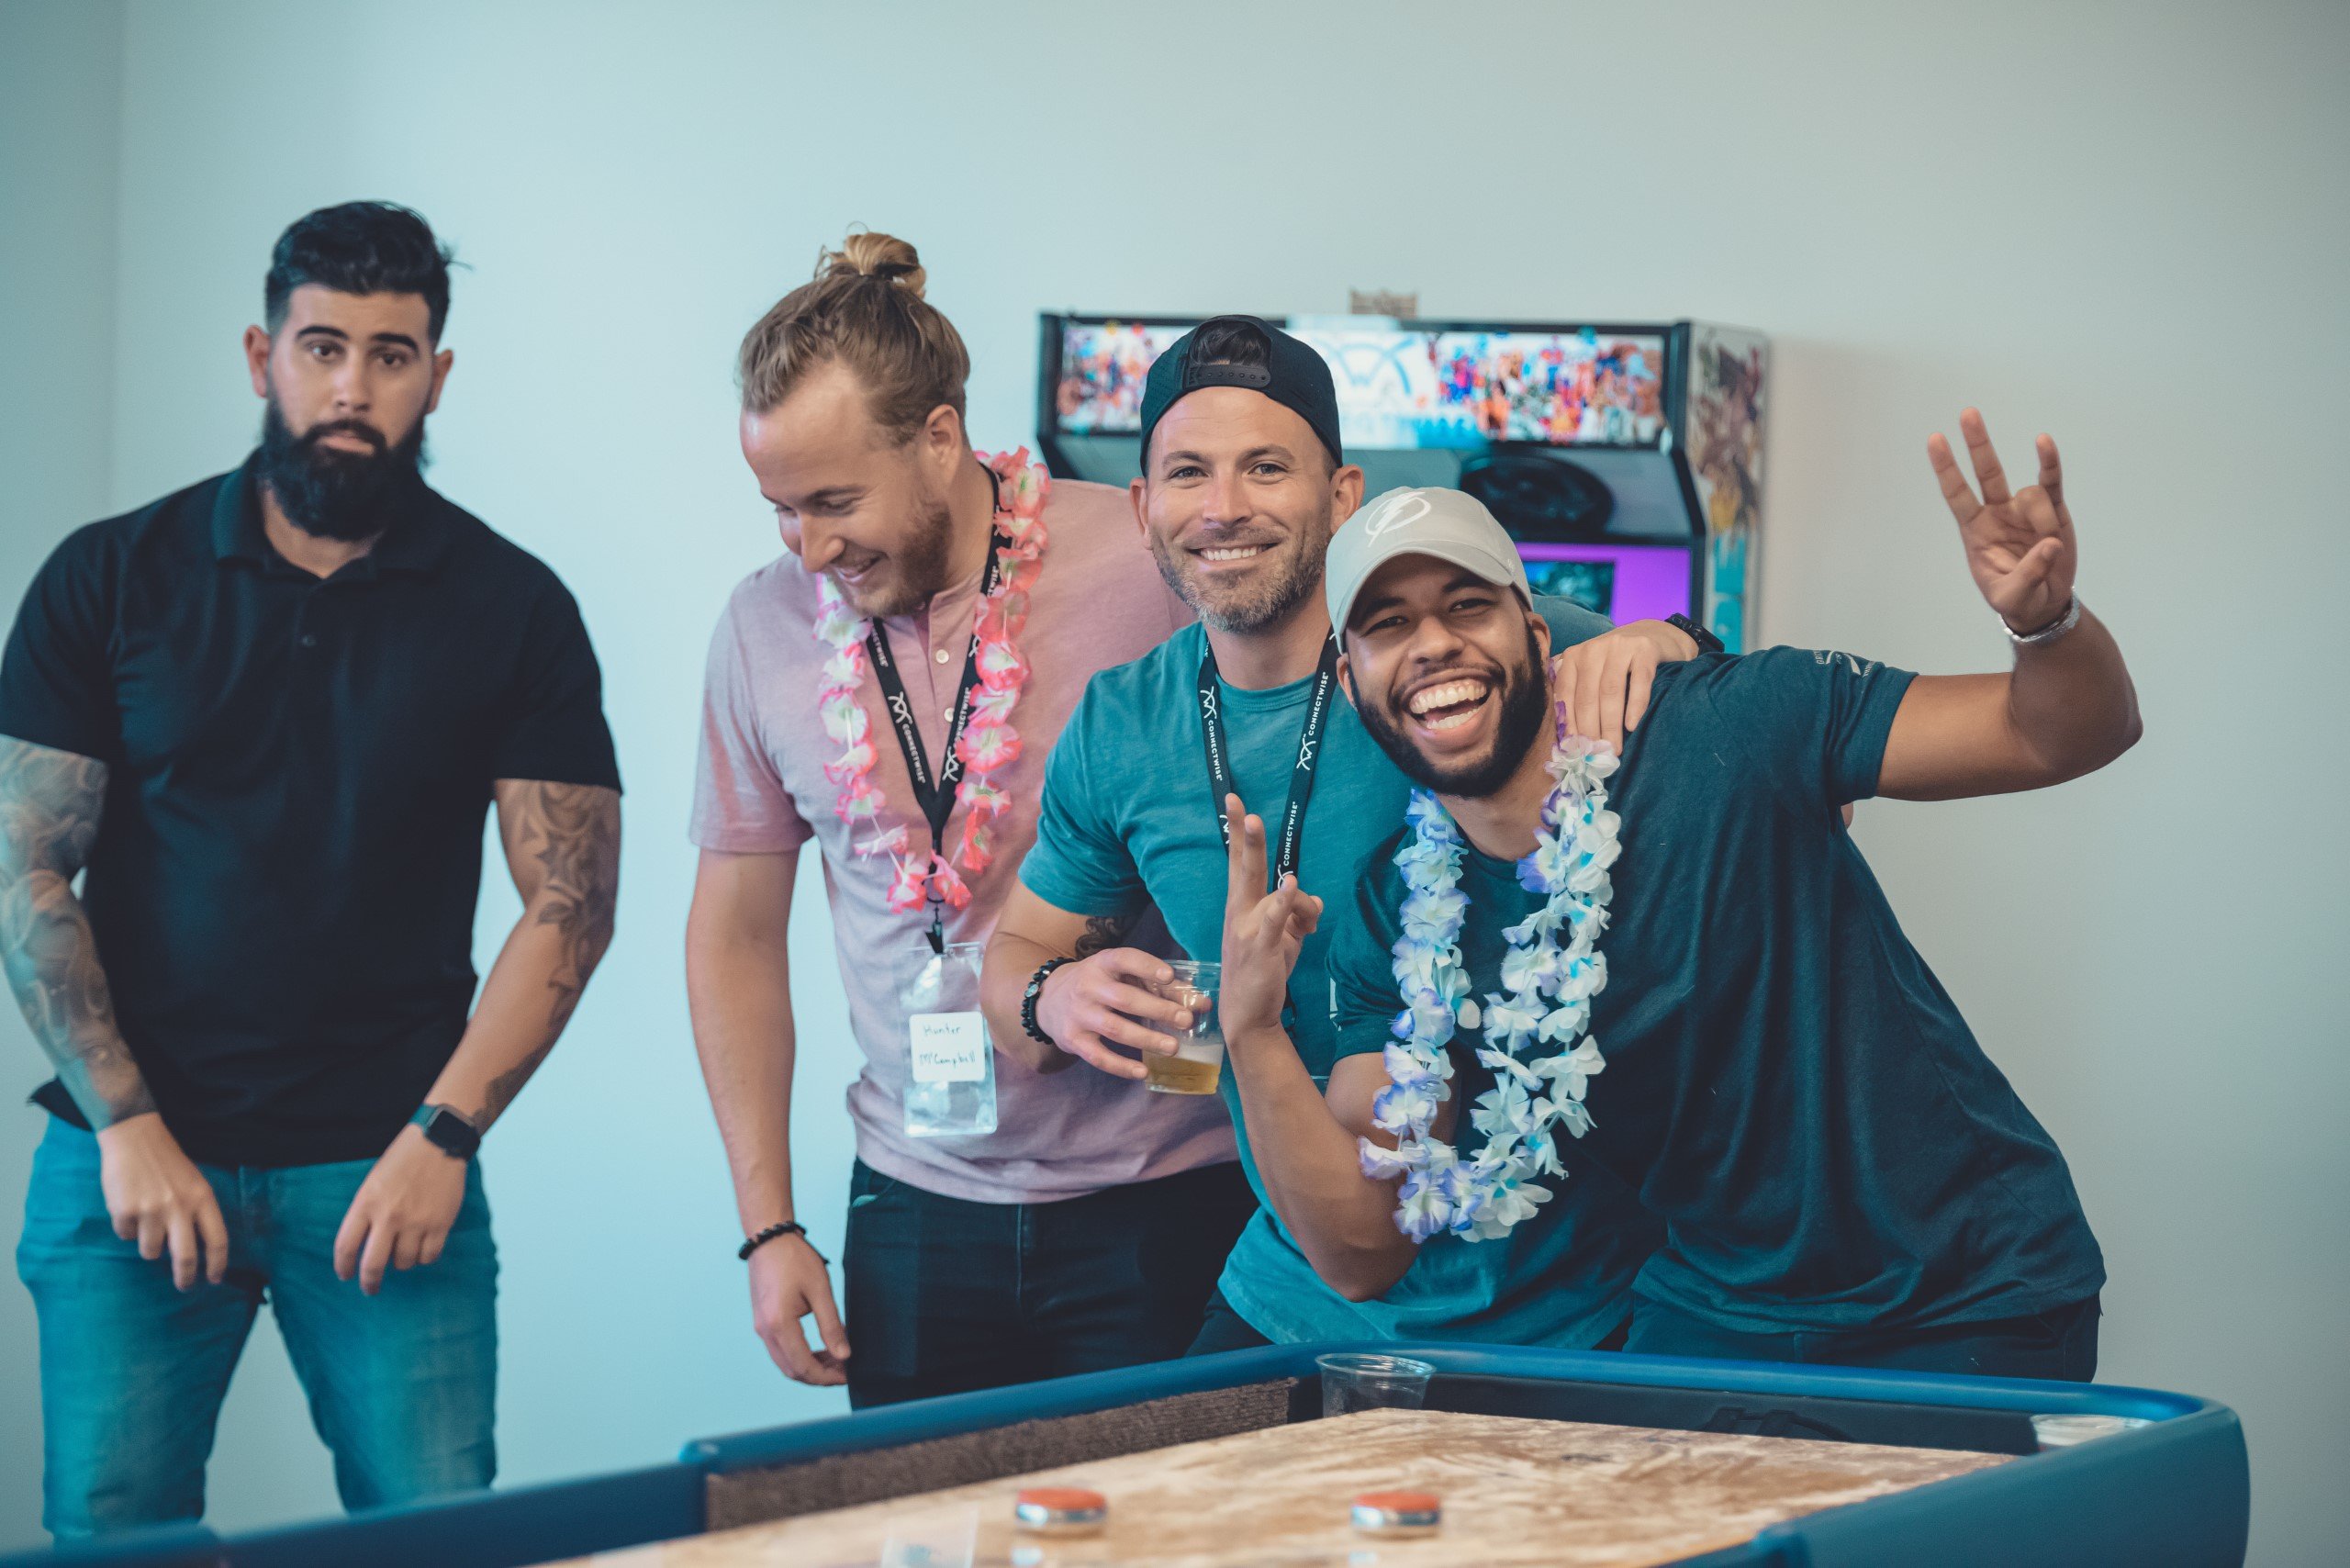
(949,1047)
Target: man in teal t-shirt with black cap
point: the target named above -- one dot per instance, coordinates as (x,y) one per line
(1245,480)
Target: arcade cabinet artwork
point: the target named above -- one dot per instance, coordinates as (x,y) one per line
(1625,459)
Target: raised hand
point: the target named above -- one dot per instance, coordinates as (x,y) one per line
(1262,931)
(2018,546)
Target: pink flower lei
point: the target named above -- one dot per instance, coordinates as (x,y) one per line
(989,743)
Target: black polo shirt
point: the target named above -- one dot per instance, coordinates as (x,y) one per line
(283,884)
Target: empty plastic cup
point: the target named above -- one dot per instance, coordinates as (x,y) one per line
(1351,1381)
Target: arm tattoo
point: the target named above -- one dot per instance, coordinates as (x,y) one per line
(1103,932)
(50,805)
(573,834)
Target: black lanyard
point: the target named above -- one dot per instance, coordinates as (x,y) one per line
(936,797)
(1291,846)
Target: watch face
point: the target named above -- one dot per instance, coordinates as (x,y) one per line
(450,1131)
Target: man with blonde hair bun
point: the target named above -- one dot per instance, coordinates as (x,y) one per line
(890,689)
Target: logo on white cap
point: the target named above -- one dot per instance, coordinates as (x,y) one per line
(1390,512)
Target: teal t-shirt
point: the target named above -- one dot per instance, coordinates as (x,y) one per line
(1128,820)
(1787,1086)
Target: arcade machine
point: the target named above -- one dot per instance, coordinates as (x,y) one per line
(1626,459)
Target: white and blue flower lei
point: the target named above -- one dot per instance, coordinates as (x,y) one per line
(1551,972)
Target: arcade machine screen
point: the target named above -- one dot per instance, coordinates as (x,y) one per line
(1103,366)
(1407,389)
(1401,389)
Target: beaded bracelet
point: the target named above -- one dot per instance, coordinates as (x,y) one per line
(787,1228)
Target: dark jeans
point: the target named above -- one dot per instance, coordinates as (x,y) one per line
(1224,1330)
(1228,1330)
(2059,1344)
(945,1295)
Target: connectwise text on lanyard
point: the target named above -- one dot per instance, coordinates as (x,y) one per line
(1291,845)
(934,796)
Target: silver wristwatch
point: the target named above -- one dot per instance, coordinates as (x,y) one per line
(2048,633)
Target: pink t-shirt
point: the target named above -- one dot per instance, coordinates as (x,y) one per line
(1097,601)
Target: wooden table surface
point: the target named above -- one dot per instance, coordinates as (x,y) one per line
(1516,1491)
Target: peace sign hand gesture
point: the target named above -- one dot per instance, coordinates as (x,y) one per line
(2018,546)
(1262,932)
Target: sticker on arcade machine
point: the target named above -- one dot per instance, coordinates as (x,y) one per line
(949,1048)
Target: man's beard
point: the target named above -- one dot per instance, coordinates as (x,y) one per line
(339,494)
(1526,701)
(913,574)
(1249,607)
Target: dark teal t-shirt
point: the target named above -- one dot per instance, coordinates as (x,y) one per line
(1787,1085)
(1128,820)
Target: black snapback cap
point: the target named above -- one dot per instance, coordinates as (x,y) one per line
(1291,375)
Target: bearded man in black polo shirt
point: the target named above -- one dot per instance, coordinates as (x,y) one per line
(263,717)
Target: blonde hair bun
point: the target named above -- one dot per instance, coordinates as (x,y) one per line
(870,255)
(909,356)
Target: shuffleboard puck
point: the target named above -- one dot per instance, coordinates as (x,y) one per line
(1398,1513)
(1060,1510)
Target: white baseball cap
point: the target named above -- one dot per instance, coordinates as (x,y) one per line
(1447,524)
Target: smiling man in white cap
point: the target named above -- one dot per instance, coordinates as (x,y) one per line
(1682,966)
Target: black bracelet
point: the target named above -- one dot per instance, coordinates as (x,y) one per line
(1029,998)
(788,1227)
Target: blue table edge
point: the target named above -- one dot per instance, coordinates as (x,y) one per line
(2197,1439)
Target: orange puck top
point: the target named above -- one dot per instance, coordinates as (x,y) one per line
(1401,1502)
(1062,1499)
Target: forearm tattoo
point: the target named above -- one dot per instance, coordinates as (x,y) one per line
(571,832)
(1103,932)
(50,805)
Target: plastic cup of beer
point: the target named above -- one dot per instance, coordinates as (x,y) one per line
(1198,1061)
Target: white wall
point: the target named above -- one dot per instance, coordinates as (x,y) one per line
(60,74)
(2124,225)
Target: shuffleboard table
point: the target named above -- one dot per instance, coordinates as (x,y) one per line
(1582,1460)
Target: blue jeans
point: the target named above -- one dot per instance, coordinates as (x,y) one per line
(401,1384)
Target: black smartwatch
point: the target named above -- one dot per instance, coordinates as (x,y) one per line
(1028,1001)
(1706,642)
(447,1131)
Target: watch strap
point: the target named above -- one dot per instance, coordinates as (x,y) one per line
(1706,642)
(2050,633)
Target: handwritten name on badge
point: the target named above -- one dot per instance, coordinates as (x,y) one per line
(949,1048)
